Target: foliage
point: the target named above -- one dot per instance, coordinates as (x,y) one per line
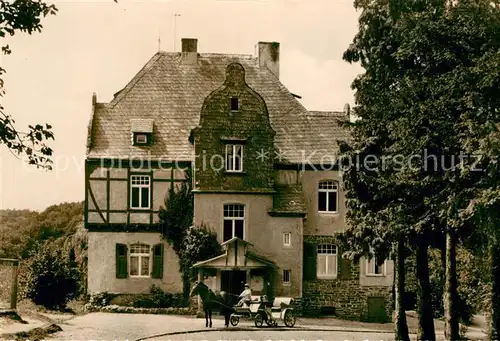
(23,230)
(24,16)
(50,279)
(423,62)
(98,300)
(157,298)
(192,244)
(200,243)
(56,233)
(176,216)
(131,310)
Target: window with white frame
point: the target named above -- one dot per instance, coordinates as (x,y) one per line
(140,260)
(374,267)
(328,196)
(140,191)
(287,239)
(234,221)
(286,276)
(326,261)
(234,157)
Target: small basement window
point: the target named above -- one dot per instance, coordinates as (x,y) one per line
(234,104)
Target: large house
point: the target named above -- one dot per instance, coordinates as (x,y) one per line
(264,180)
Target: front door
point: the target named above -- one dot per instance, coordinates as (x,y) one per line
(233,282)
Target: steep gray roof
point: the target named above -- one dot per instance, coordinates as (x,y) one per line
(172,93)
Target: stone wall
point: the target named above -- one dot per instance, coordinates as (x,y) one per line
(349,299)
(344,293)
(248,126)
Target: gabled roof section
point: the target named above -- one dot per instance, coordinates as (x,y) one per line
(326,131)
(172,93)
(259,258)
(123,92)
(235,239)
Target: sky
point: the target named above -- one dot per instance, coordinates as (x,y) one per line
(98,46)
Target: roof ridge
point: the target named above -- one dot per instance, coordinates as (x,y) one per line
(325,112)
(135,79)
(210,54)
(239,55)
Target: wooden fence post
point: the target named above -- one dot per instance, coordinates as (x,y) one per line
(13,291)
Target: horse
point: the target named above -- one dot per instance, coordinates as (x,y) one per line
(210,300)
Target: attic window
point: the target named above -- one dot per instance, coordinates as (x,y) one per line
(234,104)
(142,131)
(141,138)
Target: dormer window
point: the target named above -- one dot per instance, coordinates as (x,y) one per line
(142,131)
(141,139)
(234,104)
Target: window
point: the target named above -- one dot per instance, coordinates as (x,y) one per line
(234,104)
(327,196)
(287,239)
(234,157)
(234,221)
(139,260)
(326,261)
(140,187)
(286,276)
(373,268)
(141,138)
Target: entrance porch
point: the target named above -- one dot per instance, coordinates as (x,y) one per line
(236,266)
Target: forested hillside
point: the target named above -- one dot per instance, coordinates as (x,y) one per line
(52,246)
(22,230)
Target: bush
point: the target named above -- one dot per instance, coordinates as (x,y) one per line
(99,299)
(160,299)
(200,243)
(50,279)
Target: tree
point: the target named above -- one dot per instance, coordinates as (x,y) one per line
(376,216)
(412,100)
(484,140)
(191,243)
(199,244)
(176,216)
(24,16)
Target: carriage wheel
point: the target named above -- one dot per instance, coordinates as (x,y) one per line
(234,320)
(289,319)
(259,320)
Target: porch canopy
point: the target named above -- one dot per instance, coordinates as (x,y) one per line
(236,256)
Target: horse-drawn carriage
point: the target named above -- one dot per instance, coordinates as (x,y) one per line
(261,311)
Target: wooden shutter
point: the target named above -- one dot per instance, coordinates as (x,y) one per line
(309,265)
(157,261)
(121,261)
(345,268)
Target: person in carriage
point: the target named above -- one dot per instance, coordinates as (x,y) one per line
(245,296)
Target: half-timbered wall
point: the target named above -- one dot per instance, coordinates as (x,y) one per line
(108,194)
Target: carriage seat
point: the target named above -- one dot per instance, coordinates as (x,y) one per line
(281,303)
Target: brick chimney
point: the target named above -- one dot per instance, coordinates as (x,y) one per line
(189,50)
(269,56)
